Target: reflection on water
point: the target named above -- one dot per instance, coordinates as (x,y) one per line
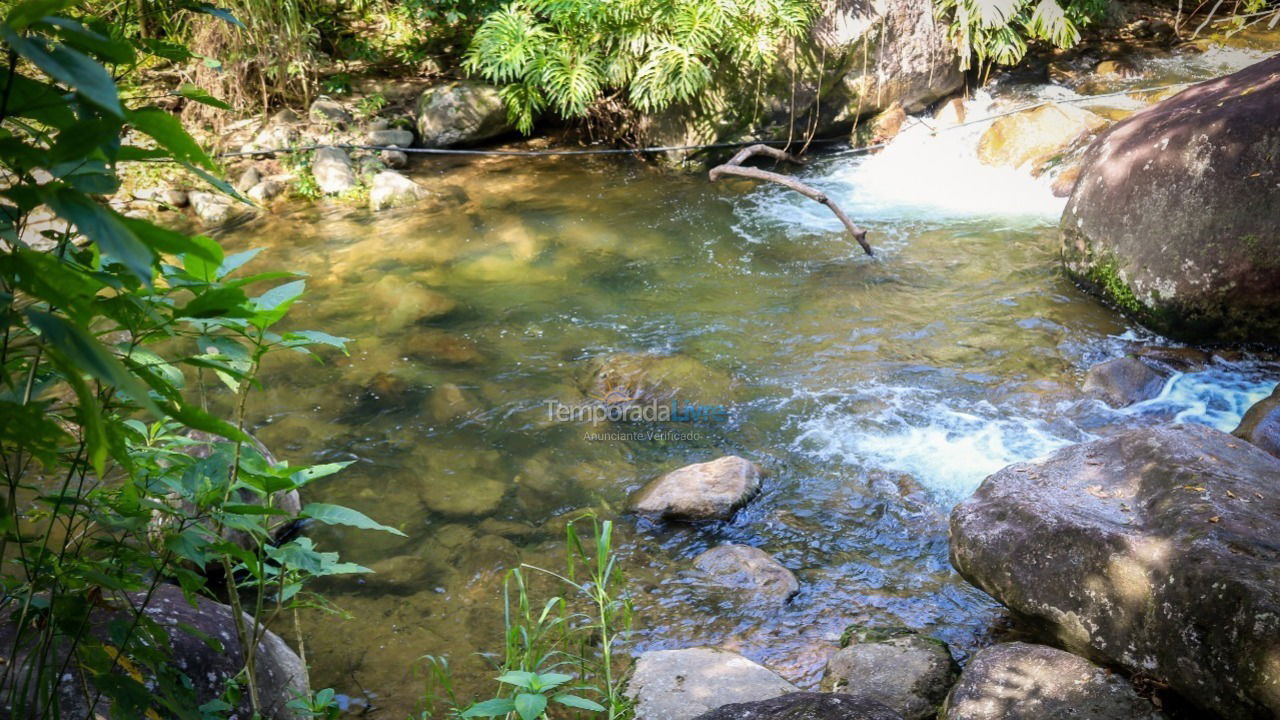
(876,392)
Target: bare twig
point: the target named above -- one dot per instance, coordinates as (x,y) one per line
(734,167)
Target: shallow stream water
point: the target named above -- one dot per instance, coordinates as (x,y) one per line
(875,392)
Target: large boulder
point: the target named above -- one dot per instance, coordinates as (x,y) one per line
(702,491)
(202,643)
(1175,218)
(751,570)
(1261,424)
(905,671)
(683,684)
(1153,550)
(1018,681)
(805,706)
(460,113)
(858,59)
(1032,138)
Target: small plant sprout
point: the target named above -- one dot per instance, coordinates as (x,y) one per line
(533,692)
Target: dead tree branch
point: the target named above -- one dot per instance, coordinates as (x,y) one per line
(734,167)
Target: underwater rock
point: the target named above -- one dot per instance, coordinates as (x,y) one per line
(645,377)
(460,113)
(1034,137)
(753,570)
(442,347)
(1019,681)
(1176,217)
(1123,381)
(403,302)
(683,684)
(805,706)
(703,491)
(281,675)
(265,190)
(907,672)
(448,402)
(1261,424)
(1152,550)
(390,189)
(463,482)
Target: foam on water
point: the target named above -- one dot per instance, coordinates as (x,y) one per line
(1217,397)
(949,444)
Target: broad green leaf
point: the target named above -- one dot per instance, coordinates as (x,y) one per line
(85,353)
(40,101)
(218,302)
(339,515)
(490,708)
(547,681)
(30,11)
(241,509)
(316,337)
(70,67)
(203,265)
(168,132)
(235,261)
(519,678)
(200,95)
(530,705)
(315,472)
(194,417)
(220,13)
(32,429)
(104,228)
(580,703)
(82,38)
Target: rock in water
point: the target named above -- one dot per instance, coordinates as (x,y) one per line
(742,567)
(1153,550)
(280,673)
(1261,424)
(908,673)
(331,167)
(391,189)
(460,113)
(1034,137)
(683,684)
(805,706)
(646,377)
(1123,381)
(703,491)
(1176,216)
(1018,681)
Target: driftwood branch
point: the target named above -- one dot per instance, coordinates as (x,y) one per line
(734,167)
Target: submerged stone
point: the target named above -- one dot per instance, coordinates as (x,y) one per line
(805,706)
(1123,381)
(753,570)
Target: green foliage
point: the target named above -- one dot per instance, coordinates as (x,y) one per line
(569,638)
(127,355)
(568,55)
(997,31)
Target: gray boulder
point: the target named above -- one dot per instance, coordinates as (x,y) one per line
(805,706)
(749,569)
(1261,424)
(1123,381)
(683,684)
(213,209)
(329,111)
(1018,681)
(1175,218)
(390,189)
(1153,550)
(702,491)
(460,113)
(281,676)
(332,169)
(398,138)
(906,672)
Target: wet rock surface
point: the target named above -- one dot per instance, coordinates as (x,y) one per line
(748,569)
(1034,137)
(805,706)
(1123,381)
(1019,681)
(1261,424)
(906,672)
(683,684)
(1153,550)
(703,491)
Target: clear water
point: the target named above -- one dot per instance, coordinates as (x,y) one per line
(876,392)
